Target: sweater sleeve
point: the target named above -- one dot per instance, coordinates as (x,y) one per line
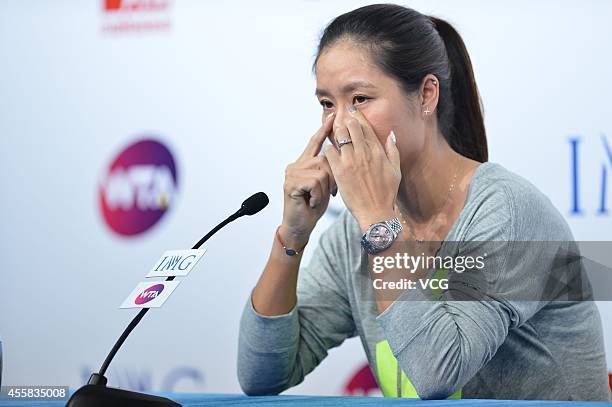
(277,352)
(441,344)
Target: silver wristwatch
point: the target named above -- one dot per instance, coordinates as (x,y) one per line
(381,235)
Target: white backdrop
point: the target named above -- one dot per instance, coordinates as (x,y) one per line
(227,88)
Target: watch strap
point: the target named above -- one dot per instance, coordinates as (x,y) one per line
(395,225)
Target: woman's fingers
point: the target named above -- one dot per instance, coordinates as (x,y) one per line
(316,141)
(333,158)
(391,150)
(342,134)
(369,135)
(308,184)
(356,135)
(322,164)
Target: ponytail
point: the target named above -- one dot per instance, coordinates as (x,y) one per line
(466,131)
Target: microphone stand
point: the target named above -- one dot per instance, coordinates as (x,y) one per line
(95,393)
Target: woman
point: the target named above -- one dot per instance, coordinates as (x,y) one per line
(409,159)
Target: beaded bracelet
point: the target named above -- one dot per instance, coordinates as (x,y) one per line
(289,251)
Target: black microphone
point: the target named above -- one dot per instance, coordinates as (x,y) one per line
(250,206)
(253,204)
(95,393)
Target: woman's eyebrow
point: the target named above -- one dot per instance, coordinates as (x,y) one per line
(346,88)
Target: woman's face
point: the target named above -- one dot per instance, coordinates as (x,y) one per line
(346,75)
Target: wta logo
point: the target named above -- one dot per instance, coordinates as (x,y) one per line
(149,294)
(138,188)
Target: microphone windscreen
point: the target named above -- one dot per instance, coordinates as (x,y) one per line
(254,203)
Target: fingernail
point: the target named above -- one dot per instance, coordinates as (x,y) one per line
(330,115)
(352,109)
(393,139)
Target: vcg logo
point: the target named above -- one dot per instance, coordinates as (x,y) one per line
(149,294)
(138,187)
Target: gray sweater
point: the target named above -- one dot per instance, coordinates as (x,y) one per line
(493,347)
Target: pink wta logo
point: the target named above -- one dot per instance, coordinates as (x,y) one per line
(138,187)
(149,294)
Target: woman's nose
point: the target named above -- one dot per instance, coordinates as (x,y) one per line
(342,114)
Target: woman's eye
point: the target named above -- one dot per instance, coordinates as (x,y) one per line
(360,99)
(326,104)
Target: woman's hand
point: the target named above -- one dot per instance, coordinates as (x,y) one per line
(308,184)
(368,174)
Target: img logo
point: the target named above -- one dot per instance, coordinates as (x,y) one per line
(138,187)
(149,294)
(598,179)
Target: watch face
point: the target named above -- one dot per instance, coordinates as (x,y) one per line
(380,236)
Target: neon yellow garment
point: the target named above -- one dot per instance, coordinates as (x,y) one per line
(388,371)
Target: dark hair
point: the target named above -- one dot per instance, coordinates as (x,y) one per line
(408,45)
